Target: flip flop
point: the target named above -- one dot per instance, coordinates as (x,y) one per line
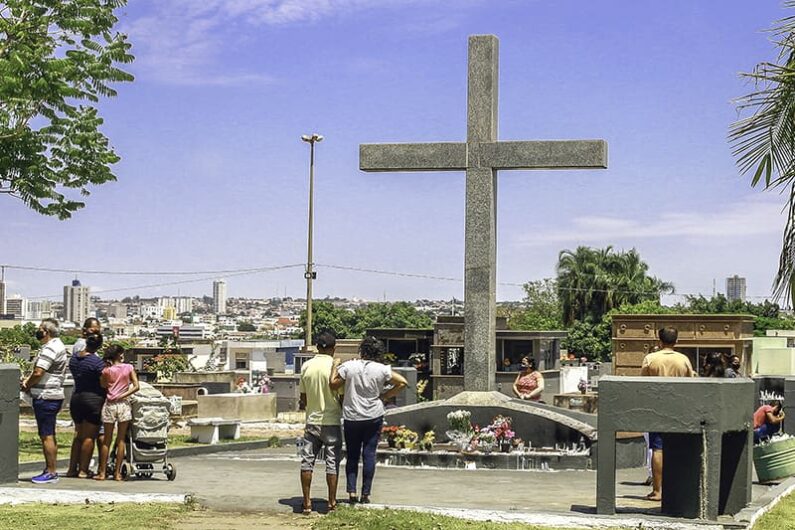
(653,497)
(307,510)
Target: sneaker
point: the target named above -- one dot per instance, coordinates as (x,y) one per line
(45,478)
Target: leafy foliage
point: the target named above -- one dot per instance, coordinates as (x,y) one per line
(591,339)
(56,59)
(349,324)
(13,338)
(763,142)
(540,310)
(592,282)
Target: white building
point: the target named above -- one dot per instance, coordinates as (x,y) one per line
(39,310)
(183,304)
(735,288)
(76,300)
(183,331)
(2,297)
(151,311)
(17,306)
(219,297)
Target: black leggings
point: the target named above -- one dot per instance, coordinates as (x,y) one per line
(361,440)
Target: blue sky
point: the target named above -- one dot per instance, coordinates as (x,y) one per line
(214,175)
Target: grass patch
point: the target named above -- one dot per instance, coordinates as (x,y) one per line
(79,517)
(345,517)
(30,445)
(782,517)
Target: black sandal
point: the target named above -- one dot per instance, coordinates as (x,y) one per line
(364,499)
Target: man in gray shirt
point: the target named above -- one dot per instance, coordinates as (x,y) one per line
(45,386)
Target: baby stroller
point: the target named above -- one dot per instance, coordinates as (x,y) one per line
(147,438)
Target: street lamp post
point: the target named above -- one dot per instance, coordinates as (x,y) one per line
(309,273)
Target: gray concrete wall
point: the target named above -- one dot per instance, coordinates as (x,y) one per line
(9,423)
(706,425)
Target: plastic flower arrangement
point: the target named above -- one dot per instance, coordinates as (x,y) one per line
(582,386)
(426,444)
(405,438)
(460,420)
(389,432)
(501,427)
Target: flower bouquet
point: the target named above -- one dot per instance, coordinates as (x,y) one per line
(503,433)
(486,440)
(405,438)
(582,386)
(461,430)
(390,433)
(426,444)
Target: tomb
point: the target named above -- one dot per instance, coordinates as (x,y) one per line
(707,440)
(9,423)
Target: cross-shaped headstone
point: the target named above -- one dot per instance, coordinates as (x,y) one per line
(481,156)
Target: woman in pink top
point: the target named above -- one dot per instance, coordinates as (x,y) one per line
(529,383)
(121,381)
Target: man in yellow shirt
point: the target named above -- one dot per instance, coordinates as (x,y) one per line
(323,415)
(665,362)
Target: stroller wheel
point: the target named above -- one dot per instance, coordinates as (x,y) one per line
(171,472)
(126,470)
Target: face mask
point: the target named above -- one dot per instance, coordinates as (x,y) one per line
(39,334)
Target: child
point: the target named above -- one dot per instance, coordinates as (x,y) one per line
(121,381)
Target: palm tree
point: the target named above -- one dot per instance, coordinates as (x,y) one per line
(764,141)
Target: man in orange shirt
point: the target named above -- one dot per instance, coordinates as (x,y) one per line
(665,362)
(767,421)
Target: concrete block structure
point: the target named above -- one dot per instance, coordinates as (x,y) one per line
(245,407)
(9,423)
(707,440)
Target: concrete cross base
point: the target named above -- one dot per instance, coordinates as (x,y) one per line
(212,430)
(9,423)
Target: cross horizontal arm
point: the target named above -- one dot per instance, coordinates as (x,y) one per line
(435,156)
(543,154)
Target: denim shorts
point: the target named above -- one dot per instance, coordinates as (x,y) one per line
(46,410)
(316,437)
(655,441)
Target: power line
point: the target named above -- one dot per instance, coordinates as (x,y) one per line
(129,273)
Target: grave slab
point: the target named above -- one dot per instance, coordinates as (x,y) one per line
(9,423)
(707,440)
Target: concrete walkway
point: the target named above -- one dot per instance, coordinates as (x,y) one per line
(267,480)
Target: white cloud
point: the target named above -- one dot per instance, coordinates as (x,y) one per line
(753,216)
(181,41)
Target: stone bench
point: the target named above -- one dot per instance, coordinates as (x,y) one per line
(211,430)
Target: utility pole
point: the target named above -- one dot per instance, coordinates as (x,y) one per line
(309,273)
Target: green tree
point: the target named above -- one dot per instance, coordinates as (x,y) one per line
(592,282)
(246,326)
(56,59)
(389,315)
(591,339)
(763,141)
(326,315)
(540,310)
(13,338)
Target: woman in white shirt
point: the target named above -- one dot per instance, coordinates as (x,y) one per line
(365,381)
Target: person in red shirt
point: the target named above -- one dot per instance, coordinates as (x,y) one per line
(767,420)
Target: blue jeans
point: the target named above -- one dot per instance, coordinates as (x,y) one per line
(361,441)
(765,431)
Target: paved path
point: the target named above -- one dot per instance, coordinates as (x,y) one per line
(267,480)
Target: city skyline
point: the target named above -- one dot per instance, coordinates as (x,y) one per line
(209,135)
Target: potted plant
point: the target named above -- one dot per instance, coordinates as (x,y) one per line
(426,444)
(405,438)
(582,386)
(461,430)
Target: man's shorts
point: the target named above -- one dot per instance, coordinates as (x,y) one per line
(86,407)
(116,411)
(655,441)
(45,411)
(317,436)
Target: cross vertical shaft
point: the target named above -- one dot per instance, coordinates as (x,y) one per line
(480,254)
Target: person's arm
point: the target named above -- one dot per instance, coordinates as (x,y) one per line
(773,419)
(135,387)
(539,388)
(398,383)
(337,380)
(516,385)
(33,378)
(104,379)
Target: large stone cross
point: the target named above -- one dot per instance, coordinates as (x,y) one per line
(481,156)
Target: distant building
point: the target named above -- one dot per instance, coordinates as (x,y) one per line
(2,297)
(76,301)
(38,310)
(184,332)
(169,313)
(17,306)
(117,310)
(219,297)
(735,288)
(183,304)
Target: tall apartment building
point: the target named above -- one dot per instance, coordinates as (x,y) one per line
(735,288)
(219,297)
(39,310)
(183,304)
(17,306)
(76,301)
(2,297)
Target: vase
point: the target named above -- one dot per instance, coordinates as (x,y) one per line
(505,447)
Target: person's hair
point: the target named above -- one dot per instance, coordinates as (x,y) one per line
(668,335)
(93,342)
(733,357)
(776,404)
(714,366)
(371,348)
(325,340)
(89,323)
(531,362)
(50,325)
(113,352)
